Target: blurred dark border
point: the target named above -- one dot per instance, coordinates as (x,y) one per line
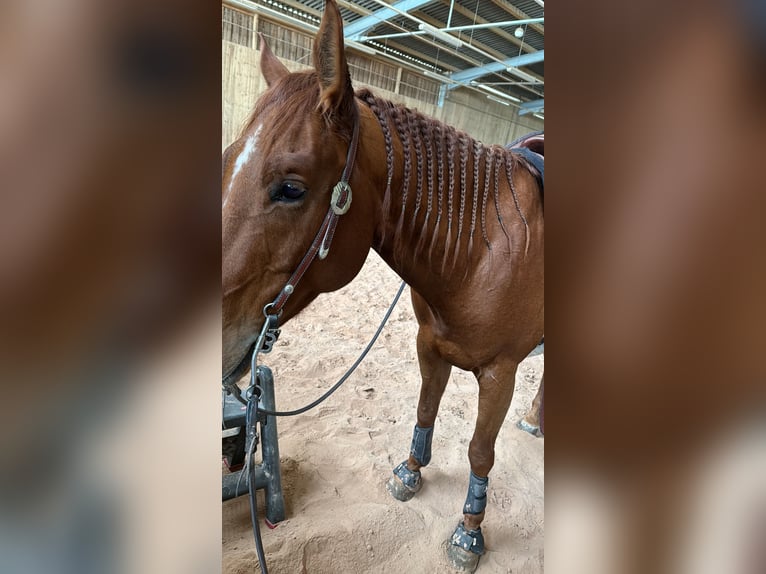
(109,296)
(655,270)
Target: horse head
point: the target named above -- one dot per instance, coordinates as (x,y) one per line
(276,188)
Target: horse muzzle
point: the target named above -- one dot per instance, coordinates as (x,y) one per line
(239,369)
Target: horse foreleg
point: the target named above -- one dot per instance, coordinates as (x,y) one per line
(496,385)
(531,422)
(434,372)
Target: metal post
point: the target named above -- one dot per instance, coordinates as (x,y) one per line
(275,502)
(442,94)
(268,476)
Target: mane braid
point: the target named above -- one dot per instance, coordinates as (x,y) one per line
(489,157)
(420,135)
(477,149)
(402,127)
(500,160)
(414,128)
(509,175)
(380,109)
(425,126)
(451,138)
(463,145)
(438,139)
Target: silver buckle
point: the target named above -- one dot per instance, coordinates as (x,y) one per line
(339,188)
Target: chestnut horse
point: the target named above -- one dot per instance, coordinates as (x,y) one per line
(460,222)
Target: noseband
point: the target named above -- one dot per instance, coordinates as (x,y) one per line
(340,202)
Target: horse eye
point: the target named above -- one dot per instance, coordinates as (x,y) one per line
(290,192)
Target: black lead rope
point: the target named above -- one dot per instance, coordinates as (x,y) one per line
(348,373)
(253,416)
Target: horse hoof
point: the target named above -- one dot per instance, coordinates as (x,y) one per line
(405,483)
(460,560)
(526,427)
(465,548)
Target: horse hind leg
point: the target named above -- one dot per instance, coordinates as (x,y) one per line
(406,480)
(466,546)
(532,421)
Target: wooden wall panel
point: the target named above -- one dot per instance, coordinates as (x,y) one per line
(472,112)
(487,121)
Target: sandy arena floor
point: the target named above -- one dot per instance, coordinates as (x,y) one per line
(337,458)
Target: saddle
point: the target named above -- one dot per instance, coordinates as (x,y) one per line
(532,148)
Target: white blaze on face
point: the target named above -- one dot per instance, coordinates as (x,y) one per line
(243,157)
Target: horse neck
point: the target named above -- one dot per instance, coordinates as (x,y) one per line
(439,197)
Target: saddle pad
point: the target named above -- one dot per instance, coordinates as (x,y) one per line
(535,159)
(524,146)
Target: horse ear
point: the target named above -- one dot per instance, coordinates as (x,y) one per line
(271,68)
(330,61)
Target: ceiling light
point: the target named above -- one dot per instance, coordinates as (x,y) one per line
(443,36)
(498,100)
(519,32)
(539,116)
(499,93)
(522,75)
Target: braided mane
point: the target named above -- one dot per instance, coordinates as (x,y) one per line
(435,146)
